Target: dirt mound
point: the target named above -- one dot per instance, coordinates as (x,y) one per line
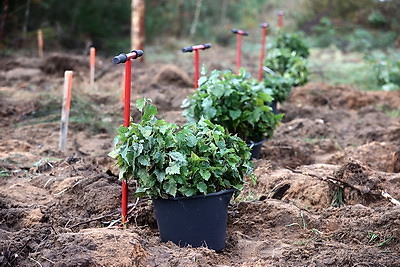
(57,64)
(319,94)
(382,156)
(172,75)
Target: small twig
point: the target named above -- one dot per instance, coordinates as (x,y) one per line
(65,226)
(62,191)
(94,219)
(48,181)
(113,223)
(47,259)
(32,259)
(390,198)
(104,216)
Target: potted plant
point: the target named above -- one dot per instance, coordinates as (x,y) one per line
(287,63)
(280,87)
(286,66)
(239,104)
(293,42)
(190,173)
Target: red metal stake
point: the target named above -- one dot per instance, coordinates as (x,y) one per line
(126,58)
(239,47)
(238,53)
(264,27)
(280,19)
(196,49)
(127,103)
(196,68)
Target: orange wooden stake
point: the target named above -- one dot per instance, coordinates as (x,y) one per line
(65,109)
(40,43)
(92,65)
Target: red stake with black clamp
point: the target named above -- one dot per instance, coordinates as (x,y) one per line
(196,49)
(280,19)
(239,33)
(264,27)
(126,58)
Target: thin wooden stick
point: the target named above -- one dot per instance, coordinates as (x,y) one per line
(65,109)
(40,43)
(92,65)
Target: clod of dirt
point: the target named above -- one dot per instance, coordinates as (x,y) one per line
(172,74)
(382,156)
(58,63)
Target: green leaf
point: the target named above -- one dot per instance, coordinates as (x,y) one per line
(123,152)
(140,103)
(218,90)
(202,80)
(235,114)
(160,175)
(174,169)
(191,140)
(205,174)
(170,187)
(202,187)
(114,153)
(208,109)
(145,161)
(177,156)
(145,131)
(149,112)
(188,191)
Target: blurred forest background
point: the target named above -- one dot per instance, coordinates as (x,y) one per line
(74,24)
(352,42)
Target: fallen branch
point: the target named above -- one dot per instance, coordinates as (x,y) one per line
(361,189)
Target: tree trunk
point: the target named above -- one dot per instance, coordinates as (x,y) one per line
(26,18)
(224,10)
(137,26)
(3,20)
(196,17)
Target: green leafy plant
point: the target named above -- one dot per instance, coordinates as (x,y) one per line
(293,42)
(288,64)
(387,70)
(167,160)
(239,104)
(279,85)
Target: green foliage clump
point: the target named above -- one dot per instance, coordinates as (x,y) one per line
(293,42)
(387,71)
(167,161)
(279,85)
(288,64)
(377,19)
(240,105)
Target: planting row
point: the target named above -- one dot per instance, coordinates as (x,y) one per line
(186,171)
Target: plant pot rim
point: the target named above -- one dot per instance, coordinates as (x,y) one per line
(226,191)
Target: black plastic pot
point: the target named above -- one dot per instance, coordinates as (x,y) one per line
(273,105)
(194,221)
(255,149)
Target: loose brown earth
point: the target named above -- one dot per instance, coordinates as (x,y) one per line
(62,209)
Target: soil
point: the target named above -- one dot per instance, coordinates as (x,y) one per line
(318,200)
